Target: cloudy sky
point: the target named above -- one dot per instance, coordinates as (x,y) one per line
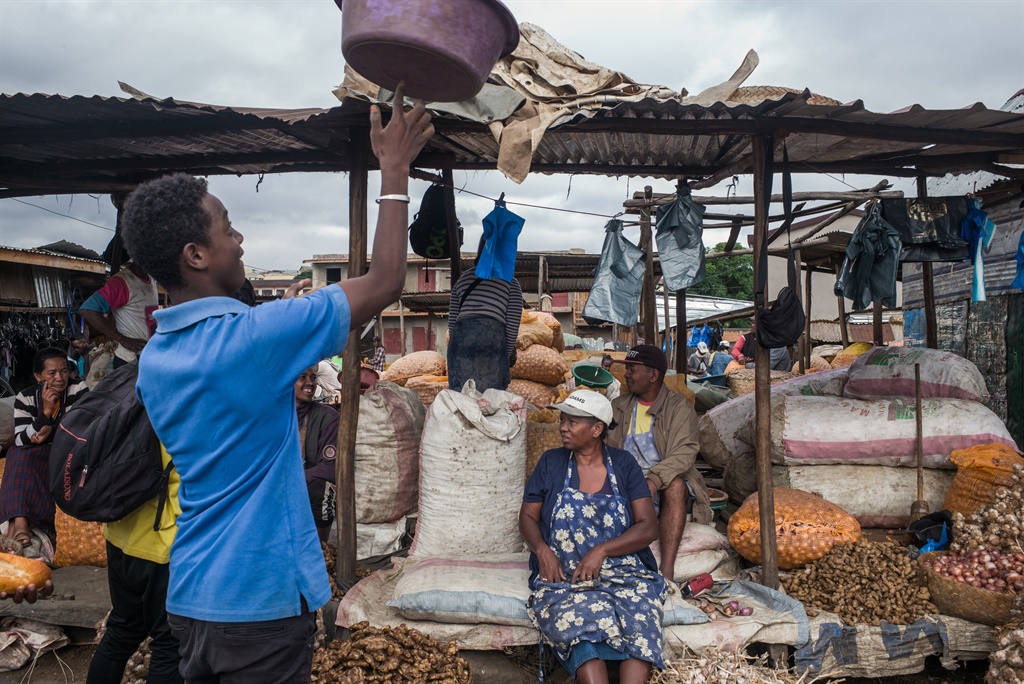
(286,53)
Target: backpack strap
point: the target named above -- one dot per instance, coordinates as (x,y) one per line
(162,497)
(472,286)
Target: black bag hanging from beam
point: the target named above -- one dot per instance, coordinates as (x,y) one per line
(428,233)
(782,323)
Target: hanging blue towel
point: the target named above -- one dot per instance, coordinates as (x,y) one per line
(501,240)
(978,231)
(1018,282)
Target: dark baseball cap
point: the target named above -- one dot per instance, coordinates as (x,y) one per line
(647,355)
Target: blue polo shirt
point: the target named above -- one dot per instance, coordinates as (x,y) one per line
(218,380)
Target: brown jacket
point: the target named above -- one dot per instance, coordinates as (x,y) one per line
(675,435)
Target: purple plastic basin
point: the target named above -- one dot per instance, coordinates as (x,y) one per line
(442,49)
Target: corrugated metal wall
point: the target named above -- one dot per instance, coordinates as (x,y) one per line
(51,287)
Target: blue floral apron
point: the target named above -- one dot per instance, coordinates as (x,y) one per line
(623,608)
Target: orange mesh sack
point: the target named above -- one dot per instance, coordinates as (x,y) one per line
(734,366)
(538,394)
(557,340)
(542,434)
(981,471)
(540,364)
(414,365)
(427,387)
(78,542)
(807,527)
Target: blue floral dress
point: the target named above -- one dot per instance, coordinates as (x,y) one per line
(615,617)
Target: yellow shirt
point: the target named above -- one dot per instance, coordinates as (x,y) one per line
(134,533)
(642,422)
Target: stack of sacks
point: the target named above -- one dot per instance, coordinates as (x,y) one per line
(857,448)
(850,354)
(424,372)
(539,367)
(387,465)
(818,363)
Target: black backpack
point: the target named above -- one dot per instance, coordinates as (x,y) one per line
(428,233)
(105,458)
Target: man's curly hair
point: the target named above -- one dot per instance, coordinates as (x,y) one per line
(159,218)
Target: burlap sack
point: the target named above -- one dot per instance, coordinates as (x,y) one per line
(427,386)
(414,365)
(542,434)
(533,330)
(536,393)
(540,364)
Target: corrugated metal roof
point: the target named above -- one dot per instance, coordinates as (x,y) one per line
(52,143)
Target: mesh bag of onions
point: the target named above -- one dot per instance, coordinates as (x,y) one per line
(807,527)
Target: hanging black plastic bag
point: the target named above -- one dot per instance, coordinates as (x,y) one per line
(929,227)
(615,295)
(782,323)
(428,233)
(680,238)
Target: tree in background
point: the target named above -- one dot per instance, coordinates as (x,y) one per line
(306,272)
(729,277)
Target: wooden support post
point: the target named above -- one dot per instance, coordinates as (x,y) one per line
(801,345)
(931,329)
(541,262)
(808,343)
(430,330)
(668,329)
(844,330)
(648,306)
(681,331)
(762,392)
(401,326)
(876,324)
(345,466)
(615,334)
(117,253)
(454,243)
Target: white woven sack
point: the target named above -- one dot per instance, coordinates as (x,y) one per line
(889,372)
(387,453)
(472,459)
(843,431)
(722,427)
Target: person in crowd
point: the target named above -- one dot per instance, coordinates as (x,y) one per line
(588,518)
(483,323)
(122,311)
(720,359)
(699,362)
(25,500)
(607,362)
(78,357)
(743,351)
(379,362)
(658,427)
(138,571)
(328,378)
(318,437)
(247,572)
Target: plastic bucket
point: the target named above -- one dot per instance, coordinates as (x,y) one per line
(443,49)
(592,376)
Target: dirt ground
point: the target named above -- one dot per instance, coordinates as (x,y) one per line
(76,664)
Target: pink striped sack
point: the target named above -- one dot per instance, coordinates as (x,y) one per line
(889,372)
(838,430)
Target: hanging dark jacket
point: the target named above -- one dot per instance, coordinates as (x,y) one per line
(872,263)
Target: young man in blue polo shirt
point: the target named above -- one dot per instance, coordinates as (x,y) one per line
(247,572)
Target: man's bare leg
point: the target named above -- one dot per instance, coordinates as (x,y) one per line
(672,522)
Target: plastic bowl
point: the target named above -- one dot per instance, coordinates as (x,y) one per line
(592,376)
(444,50)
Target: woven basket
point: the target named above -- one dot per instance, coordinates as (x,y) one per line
(964,601)
(742,381)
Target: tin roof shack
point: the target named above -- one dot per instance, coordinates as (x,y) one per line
(990,333)
(38,290)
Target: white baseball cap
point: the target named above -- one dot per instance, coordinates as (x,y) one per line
(586,404)
(702,347)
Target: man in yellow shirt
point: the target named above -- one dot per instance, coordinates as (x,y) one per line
(138,558)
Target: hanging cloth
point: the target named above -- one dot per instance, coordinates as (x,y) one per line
(872,262)
(501,240)
(782,323)
(680,238)
(929,227)
(1018,282)
(978,230)
(615,295)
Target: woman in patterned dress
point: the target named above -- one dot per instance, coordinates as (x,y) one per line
(588,517)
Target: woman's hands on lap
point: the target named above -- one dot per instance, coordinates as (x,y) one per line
(550,566)
(590,567)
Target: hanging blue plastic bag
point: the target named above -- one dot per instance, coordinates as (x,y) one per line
(680,238)
(615,295)
(501,240)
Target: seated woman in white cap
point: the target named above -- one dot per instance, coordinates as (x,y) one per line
(588,517)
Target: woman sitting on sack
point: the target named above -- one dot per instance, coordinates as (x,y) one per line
(588,517)
(25,500)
